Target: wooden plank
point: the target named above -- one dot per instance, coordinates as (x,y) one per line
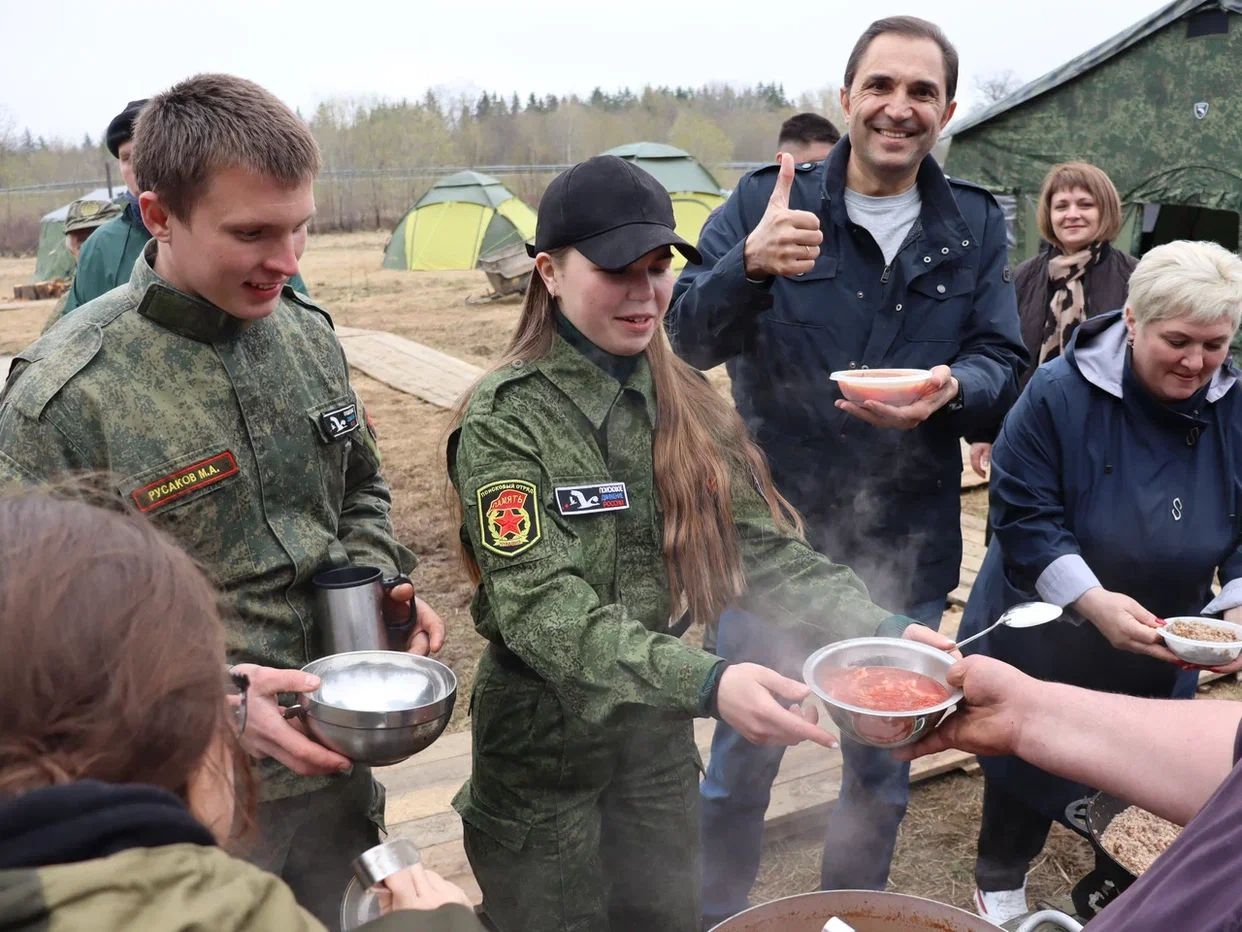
(973,523)
(972,545)
(802,805)
(970,479)
(408,366)
(802,796)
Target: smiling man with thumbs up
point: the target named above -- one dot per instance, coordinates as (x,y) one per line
(870,259)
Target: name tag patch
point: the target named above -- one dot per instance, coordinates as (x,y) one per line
(175,485)
(339,421)
(590,499)
(508,516)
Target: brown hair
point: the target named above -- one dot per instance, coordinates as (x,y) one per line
(113,667)
(914,28)
(1070,175)
(700,449)
(211,122)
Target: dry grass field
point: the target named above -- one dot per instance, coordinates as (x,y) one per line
(936,851)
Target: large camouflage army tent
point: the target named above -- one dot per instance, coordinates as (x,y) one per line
(53,259)
(464,216)
(1156,106)
(694,192)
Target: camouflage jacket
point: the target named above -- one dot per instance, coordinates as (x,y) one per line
(244,441)
(553,463)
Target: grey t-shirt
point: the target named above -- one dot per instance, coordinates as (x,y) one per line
(887,219)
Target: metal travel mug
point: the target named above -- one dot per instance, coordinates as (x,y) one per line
(360,904)
(349,606)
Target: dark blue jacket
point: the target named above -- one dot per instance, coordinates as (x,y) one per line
(1094,482)
(883,501)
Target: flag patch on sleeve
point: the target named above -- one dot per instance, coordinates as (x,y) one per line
(590,499)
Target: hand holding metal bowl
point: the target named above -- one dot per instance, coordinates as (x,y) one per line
(825,669)
(377,707)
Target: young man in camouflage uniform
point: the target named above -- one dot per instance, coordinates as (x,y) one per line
(110,257)
(217,400)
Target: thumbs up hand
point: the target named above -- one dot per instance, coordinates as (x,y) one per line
(785,242)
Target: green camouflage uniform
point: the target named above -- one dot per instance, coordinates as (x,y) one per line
(581,812)
(244,441)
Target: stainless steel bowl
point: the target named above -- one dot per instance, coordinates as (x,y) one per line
(866,726)
(378,707)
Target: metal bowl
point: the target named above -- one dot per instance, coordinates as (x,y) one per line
(378,707)
(867,726)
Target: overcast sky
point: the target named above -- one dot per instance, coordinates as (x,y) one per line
(68,66)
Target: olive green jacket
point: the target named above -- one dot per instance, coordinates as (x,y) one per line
(243,440)
(177,887)
(578,589)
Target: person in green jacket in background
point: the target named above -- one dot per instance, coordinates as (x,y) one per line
(606,488)
(121,770)
(109,255)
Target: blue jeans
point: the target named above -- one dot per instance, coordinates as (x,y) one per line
(862,828)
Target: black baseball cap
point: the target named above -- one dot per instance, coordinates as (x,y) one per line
(121,129)
(611,211)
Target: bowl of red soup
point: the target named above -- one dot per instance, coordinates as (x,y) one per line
(896,387)
(882,692)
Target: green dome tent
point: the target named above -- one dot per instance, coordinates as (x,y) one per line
(54,260)
(462,217)
(695,193)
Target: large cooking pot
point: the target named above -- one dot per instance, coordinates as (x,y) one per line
(870,911)
(1089,817)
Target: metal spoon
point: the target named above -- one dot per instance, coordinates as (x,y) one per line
(1022,615)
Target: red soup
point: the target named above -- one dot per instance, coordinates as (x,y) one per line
(884,689)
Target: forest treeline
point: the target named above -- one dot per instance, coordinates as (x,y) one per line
(381,155)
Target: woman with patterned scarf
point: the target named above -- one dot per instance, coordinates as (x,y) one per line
(1078,272)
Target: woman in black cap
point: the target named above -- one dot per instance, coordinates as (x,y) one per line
(608,490)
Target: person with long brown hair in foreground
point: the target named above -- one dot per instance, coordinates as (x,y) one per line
(608,490)
(120,766)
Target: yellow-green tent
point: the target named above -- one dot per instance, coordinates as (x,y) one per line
(694,191)
(462,217)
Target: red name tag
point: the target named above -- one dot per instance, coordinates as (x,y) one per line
(175,485)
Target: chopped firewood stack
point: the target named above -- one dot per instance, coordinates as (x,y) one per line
(53,288)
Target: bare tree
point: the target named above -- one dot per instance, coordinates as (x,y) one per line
(996,86)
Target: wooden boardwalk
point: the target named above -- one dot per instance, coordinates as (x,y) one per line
(420,790)
(408,366)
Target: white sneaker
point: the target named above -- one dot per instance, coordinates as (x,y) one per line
(999,906)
